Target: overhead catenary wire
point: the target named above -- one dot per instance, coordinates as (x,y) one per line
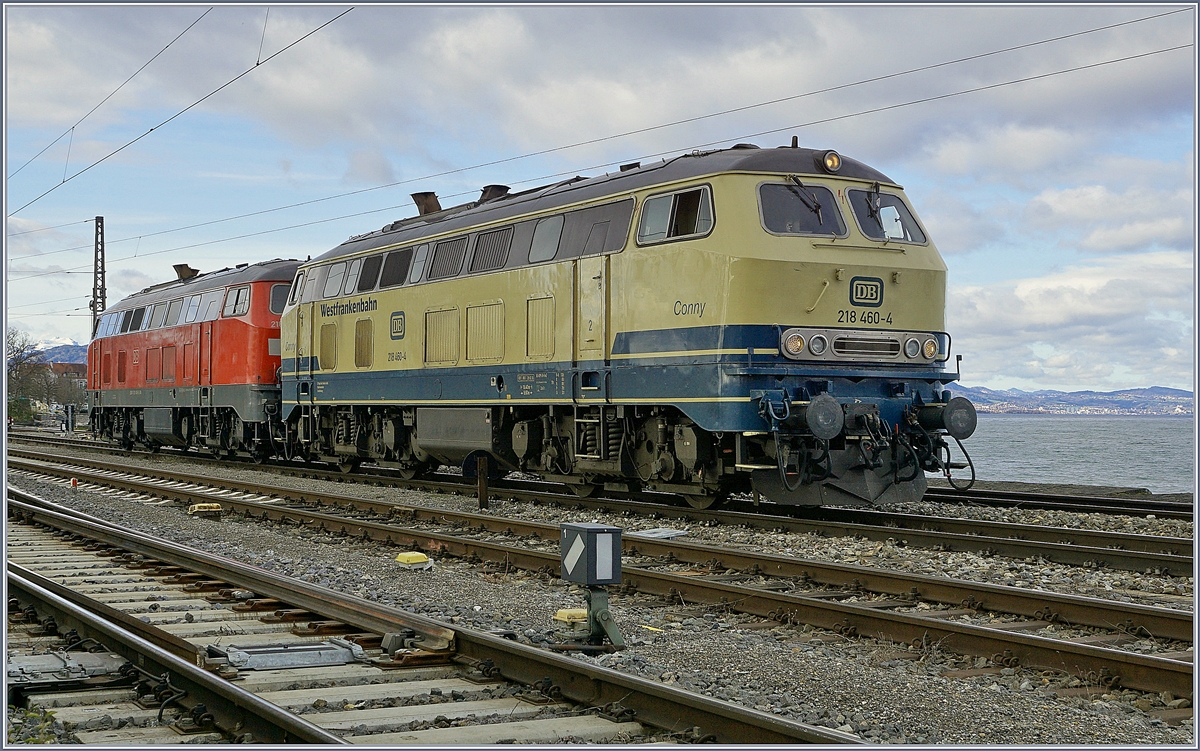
(110,95)
(45,229)
(798,126)
(638,131)
(179,113)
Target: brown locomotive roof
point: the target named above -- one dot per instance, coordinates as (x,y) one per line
(276,270)
(741,158)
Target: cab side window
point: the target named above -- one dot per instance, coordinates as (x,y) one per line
(677,215)
(237,302)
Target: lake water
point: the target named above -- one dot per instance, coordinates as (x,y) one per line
(1157,453)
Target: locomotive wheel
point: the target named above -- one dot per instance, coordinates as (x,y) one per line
(587,490)
(702,502)
(346,466)
(412,473)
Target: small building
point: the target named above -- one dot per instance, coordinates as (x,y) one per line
(75,371)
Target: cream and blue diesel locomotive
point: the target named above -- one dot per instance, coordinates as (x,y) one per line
(747,319)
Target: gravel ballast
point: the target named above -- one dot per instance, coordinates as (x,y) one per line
(884,693)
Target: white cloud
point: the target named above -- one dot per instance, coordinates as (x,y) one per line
(1073,327)
(1011,151)
(368,167)
(1108,221)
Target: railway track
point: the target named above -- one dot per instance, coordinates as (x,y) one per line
(344,669)
(1165,509)
(1069,546)
(865,600)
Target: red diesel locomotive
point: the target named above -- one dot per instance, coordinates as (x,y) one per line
(193,362)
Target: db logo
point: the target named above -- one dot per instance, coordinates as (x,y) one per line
(398,325)
(866,292)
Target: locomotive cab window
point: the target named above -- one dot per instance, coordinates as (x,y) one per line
(296,286)
(798,209)
(333,282)
(279,297)
(237,302)
(351,285)
(312,278)
(545,239)
(678,215)
(883,216)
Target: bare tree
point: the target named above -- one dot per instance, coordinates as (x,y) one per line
(24,364)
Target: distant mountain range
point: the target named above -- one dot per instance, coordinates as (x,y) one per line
(65,353)
(1155,400)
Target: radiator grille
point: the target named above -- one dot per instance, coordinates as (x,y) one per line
(863,347)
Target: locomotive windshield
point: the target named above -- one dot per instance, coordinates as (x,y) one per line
(883,216)
(791,209)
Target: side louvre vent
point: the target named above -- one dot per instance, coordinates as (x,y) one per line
(448,258)
(491,250)
(539,328)
(485,332)
(441,336)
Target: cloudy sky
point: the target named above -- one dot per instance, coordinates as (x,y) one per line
(1062,203)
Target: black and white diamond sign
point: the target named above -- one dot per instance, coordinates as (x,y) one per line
(591,554)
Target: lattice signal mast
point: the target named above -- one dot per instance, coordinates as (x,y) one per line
(99,293)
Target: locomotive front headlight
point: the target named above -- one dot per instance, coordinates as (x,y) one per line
(831,161)
(912,348)
(793,344)
(931,349)
(818,344)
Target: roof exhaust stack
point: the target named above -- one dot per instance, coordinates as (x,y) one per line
(427,202)
(185,272)
(492,192)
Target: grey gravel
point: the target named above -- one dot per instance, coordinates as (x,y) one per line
(883,692)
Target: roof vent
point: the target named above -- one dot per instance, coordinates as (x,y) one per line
(492,192)
(744,146)
(426,202)
(185,272)
(631,165)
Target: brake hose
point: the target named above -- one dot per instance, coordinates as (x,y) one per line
(970,464)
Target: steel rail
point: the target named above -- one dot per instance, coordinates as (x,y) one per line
(1177,546)
(1085,503)
(1079,555)
(998,498)
(1166,623)
(235,710)
(653,703)
(1131,670)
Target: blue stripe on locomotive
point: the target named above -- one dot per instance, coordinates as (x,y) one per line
(712,389)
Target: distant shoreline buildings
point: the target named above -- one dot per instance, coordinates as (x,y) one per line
(1155,401)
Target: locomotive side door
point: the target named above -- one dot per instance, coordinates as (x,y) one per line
(206,349)
(304,343)
(591,330)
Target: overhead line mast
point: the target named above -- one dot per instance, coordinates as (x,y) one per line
(99,291)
